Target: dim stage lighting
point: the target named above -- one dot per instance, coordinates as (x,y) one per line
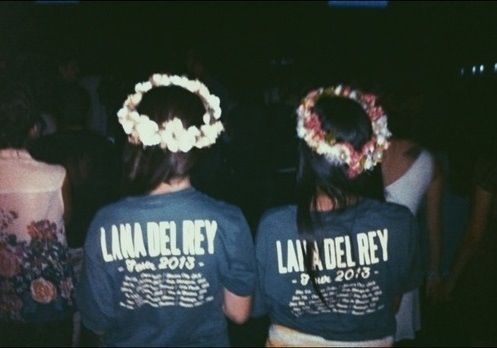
(359,4)
(55,2)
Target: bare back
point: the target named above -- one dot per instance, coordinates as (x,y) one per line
(408,172)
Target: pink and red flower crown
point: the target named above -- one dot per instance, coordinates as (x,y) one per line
(310,130)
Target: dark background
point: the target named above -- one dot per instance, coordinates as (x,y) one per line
(420,40)
(408,52)
(421,45)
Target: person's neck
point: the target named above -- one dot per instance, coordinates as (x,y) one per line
(173,185)
(324,203)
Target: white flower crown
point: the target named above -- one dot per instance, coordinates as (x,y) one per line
(171,135)
(309,129)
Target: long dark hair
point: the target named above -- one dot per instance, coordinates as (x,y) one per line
(18,115)
(147,167)
(348,122)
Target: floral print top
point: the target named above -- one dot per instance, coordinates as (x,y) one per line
(36,282)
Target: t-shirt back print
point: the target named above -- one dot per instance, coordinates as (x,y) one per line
(161,261)
(157,265)
(351,288)
(366,256)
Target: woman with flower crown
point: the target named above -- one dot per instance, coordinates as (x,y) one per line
(166,265)
(332,269)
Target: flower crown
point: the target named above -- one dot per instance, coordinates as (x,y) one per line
(171,135)
(309,129)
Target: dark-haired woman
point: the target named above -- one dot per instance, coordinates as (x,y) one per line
(332,268)
(36,283)
(164,266)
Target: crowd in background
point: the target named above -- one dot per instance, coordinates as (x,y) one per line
(253,165)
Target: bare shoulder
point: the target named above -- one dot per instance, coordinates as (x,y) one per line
(399,157)
(402,150)
(408,149)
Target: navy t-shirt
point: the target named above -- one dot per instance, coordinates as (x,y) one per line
(369,255)
(155,267)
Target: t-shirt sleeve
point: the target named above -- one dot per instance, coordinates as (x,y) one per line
(260,307)
(237,264)
(94,292)
(412,274)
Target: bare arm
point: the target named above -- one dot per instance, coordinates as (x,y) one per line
(434,223)
(237,308)
(482,202)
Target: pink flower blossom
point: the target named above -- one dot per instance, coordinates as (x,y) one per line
(42,229)
(43,291)
(9,264)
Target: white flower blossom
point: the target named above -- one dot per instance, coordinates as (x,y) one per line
(218,126)
(217,113)
(204,91)
(134,116)
(185,141)
(148,131)
(136,98)
(202,142)
(209,132)
(147,86)
(369,163)
(156,79)
(175,80)
(173,146)
(193,131)
(123,112)
(176,125)
(138,87)
(165,81)
(197,85)
(127,125)
(214,101)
